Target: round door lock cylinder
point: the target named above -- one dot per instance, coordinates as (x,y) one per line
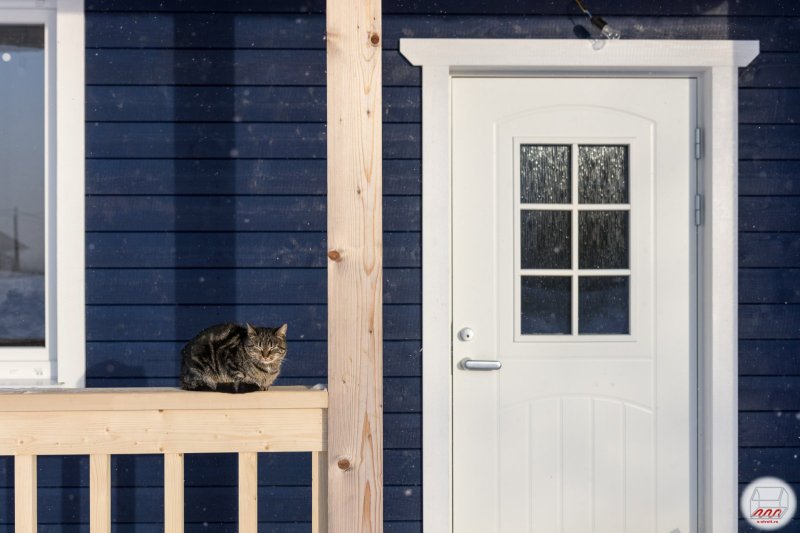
(466,334)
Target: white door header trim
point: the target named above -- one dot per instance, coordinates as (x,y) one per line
(570,53)
(715,65)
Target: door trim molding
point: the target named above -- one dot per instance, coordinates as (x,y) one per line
(714,64)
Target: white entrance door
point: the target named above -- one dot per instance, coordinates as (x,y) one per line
(574,269)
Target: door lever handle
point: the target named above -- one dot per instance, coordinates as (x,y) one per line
(479,364)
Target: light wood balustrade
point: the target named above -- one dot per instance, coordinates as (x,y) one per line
(103,422)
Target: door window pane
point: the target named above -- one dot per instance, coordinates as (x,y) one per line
(546,305)
(603,239)
(546,238)
(545,174)
(603,303)
(603,174)
(22,163)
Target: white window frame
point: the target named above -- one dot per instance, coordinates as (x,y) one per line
(715,65)
(62,362)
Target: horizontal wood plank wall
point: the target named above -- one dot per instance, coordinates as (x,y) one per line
(178,102)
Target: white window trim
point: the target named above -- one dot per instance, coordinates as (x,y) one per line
(63,362)
(714,64)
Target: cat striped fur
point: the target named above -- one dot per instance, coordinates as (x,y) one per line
(233,358)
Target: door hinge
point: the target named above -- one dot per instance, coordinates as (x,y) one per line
(699,209)
(698,143)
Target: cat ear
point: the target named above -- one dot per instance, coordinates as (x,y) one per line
(251,331)
(282,330)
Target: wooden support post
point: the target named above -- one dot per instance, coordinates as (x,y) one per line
(355,250)
(173,492)
(100,493)
(25,494)
(248,492)
(319,492)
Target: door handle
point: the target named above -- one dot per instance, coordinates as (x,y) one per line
(479,364)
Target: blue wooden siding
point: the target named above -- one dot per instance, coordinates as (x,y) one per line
(206,202)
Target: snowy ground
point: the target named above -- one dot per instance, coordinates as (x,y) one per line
(21,306)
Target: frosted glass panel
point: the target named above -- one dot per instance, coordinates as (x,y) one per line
(545,174)
(603,174)
(546,305)
(603,239)
(546,237)
(22,195)
(603,305)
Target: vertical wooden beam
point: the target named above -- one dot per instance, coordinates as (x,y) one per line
(355,250)
(25,494)
(248,492)
(173,492)
(319,492)
(100,493)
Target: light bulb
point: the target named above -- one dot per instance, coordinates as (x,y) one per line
(610,32)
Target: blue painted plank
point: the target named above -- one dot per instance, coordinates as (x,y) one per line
(205,67)
(180,323)
(769,285)
(769,178)
(120,360)
(772,70)
(168,140)
(402,431)
(232,286)
(233,176)
(765,213)
(769,321)
(231,104)
(776,428)
(226,67)
(424,7)
(776,250)
(765,393)
(769,106)
(213,140)
(243,250)
(769,357)
(205,104)
(769,142)
(233,213)
(276,31)
(759,462)
(205,30)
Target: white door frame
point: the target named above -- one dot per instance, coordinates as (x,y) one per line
(714,64)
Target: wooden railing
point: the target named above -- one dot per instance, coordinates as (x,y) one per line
(103,422)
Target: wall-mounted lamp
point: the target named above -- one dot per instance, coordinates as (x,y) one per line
(609,31)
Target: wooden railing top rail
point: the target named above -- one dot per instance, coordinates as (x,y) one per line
(134,399)
(132,421)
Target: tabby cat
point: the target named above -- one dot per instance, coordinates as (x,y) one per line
(233,358)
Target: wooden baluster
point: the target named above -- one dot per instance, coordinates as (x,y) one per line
(319,492)
(248,492)
(100,493)
(173,492)
(25,493)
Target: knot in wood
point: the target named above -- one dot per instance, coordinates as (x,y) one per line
(344,463)
(375,39)
(334,255)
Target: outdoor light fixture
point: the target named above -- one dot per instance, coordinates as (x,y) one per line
(609,31)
